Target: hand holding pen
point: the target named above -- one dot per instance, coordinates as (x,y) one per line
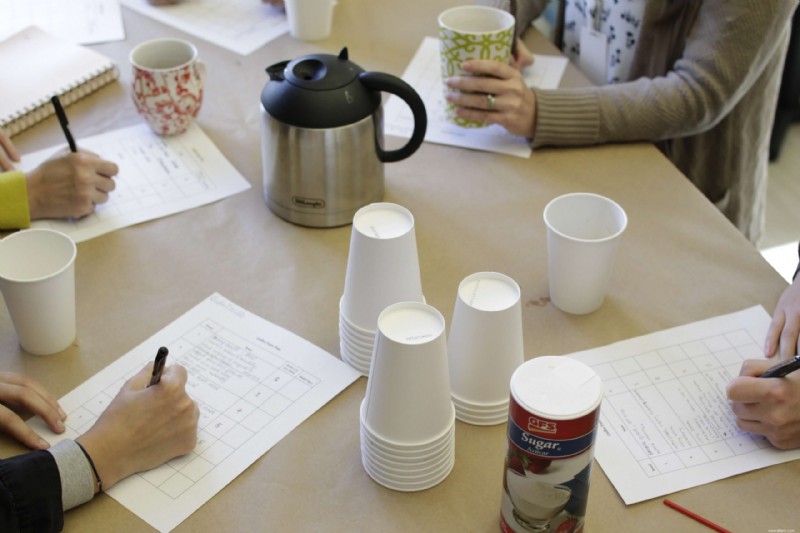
(144,426)
(767,404)
(69,186)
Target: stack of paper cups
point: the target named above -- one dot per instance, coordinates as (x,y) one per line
(382,269)
(407,417)
(484,347)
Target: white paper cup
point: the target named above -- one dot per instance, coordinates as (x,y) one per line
(309,20)
(583,234)
(408,391)
(391,482)
(485,343)
(37,279)
(382,265)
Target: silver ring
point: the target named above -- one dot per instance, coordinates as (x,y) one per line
(490,101)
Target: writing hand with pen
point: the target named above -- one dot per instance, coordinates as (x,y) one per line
(770,406)
(67,185)
(144,426)
(151,420)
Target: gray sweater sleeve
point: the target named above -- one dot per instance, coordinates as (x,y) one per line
(77,478)
(727,49)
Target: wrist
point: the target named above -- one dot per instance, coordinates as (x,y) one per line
(104,465)
(98,481)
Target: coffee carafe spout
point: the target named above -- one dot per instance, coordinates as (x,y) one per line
(275,72)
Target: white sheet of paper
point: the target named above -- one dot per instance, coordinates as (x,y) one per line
(241,26)
(424,75)
(254,383)
(158,176)
(77,21)
(665,421)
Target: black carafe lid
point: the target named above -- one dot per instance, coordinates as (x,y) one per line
(318,91)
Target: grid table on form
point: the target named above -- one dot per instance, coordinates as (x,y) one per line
(665,421)
(253,381)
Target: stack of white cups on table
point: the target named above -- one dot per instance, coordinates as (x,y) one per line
(382,269)
(485,347)
(420,380)
(407,416)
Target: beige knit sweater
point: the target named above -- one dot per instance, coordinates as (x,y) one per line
(705,81)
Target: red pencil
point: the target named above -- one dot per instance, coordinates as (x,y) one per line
(687,512)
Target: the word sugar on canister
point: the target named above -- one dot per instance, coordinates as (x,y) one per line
(553,413)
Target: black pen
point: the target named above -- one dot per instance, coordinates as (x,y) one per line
(781,369)
(62,119)
(158,366)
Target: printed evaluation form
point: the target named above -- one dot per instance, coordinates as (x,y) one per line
(254,382)
(241,26)
(158,176)
(78,21)
(665,421)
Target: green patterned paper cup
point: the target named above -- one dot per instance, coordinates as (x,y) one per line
(472,32)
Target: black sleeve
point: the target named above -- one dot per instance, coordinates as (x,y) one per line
(30,493)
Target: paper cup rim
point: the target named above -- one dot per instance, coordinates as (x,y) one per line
(53,274)
(509,23)
(605,239)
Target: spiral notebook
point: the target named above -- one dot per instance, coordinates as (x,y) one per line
(36,66)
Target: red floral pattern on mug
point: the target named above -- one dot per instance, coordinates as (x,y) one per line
(169,99)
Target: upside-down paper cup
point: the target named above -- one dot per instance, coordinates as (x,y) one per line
(484,346)
(37,279)
(382,265)
(472,32)
(408,391)
(583,234)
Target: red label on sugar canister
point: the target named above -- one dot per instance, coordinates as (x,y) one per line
(553,415)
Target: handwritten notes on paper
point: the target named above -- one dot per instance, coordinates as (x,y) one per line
(77,21)
(158,176)
(665,421)
(241,26)
(254,383)
(424,75)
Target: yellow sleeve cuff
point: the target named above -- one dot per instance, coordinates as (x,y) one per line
(14,210)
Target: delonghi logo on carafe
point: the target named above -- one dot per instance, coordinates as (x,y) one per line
(313,203)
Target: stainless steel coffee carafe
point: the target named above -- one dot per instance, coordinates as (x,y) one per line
(322,137)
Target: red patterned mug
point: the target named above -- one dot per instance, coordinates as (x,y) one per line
(167,84)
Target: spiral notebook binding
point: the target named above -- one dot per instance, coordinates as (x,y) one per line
(29,86)
(40,110)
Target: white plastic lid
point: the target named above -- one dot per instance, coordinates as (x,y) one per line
(557,387)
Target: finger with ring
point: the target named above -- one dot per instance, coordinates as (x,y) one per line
(490,100)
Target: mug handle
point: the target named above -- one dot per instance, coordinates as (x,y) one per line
(378,81)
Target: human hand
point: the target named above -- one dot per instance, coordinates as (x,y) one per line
(514,103)
(785,327)
(69,185)
(143,427)
(523,57)
(21,391)
(767,406)
(8,152)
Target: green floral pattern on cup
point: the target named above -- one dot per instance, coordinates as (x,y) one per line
(456,47)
